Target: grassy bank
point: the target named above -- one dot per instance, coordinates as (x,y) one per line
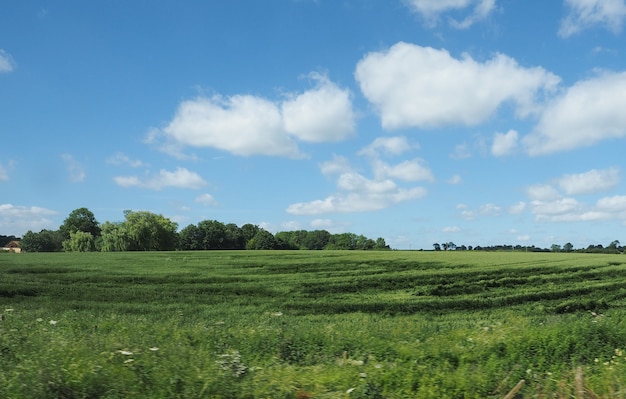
(311,325)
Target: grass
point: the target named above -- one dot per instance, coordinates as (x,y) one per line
(303,324)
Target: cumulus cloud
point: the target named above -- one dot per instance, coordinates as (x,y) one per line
(504,143)
(589,182)
(415,86)
(590,111)
(431,10)
(322,114)
(252,125)
(4,174)
(388,146)
(180,178)
(358,193)
(17,219)
(585,14)
(74,168)
(550,205)
(6,62)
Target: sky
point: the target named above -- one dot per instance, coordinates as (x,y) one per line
(478,122)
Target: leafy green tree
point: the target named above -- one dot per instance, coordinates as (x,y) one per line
(44,241)
(234,237)
(381,244)
(249,231)
(555,248)
(80,241)
(212,233)
(568,247)
(114,237)
(81,219)
(263,239)
(190,238)
(437,246)
(150,232)
(317,239)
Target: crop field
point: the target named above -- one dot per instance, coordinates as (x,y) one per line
(312,324)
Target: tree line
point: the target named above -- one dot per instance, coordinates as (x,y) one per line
(613,248)
(147,231)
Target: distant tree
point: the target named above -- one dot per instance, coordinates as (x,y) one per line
(44,241)
(249,231)
(81,219)
(381,244)
(150,232)
(437,246)
(263,239)
(234,237)
(568,247)
(80,241)
(317,239)
(190,238)
(114,237)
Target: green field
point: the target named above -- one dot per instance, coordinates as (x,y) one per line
(312,324)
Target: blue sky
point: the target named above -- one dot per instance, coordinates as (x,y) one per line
(480,122)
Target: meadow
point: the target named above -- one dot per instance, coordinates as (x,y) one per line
(312,324)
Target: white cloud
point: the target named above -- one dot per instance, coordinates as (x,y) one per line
(485,210)
(251,125)
(432,9)
(451,229)
(180,178)
(6,62)
(589,182)
(357,193)
(542,192)
(206,199)
(122,159)
(504,143)
(410,170)
(588,112)
(615,203)
(74,168)
(584,14)
(337,165)
(388,146)
(356,202)
(17,220)
(322,114)
(414,86)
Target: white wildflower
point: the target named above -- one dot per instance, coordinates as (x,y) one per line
(53,322)
(277,314)
(129,360)
(39,320)
(154,349)
(8,310)
(350,390)
(125,353)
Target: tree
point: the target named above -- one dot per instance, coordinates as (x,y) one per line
(568,247)
(81,219)
(437,246)
(263,239)
(249,231)
(114,237)
(190,238)
(44,241)
(555,248)
(150,232)
(141,231)
(80,241)
(381,244)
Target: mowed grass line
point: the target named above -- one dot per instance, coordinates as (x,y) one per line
(295,324)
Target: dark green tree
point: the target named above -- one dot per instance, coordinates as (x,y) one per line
(81,219)
(263,239)
(44,241)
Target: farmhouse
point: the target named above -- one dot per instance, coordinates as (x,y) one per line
(12,246)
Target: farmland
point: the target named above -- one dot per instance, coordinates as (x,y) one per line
(312,324)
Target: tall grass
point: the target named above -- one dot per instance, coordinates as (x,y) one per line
(311,325)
